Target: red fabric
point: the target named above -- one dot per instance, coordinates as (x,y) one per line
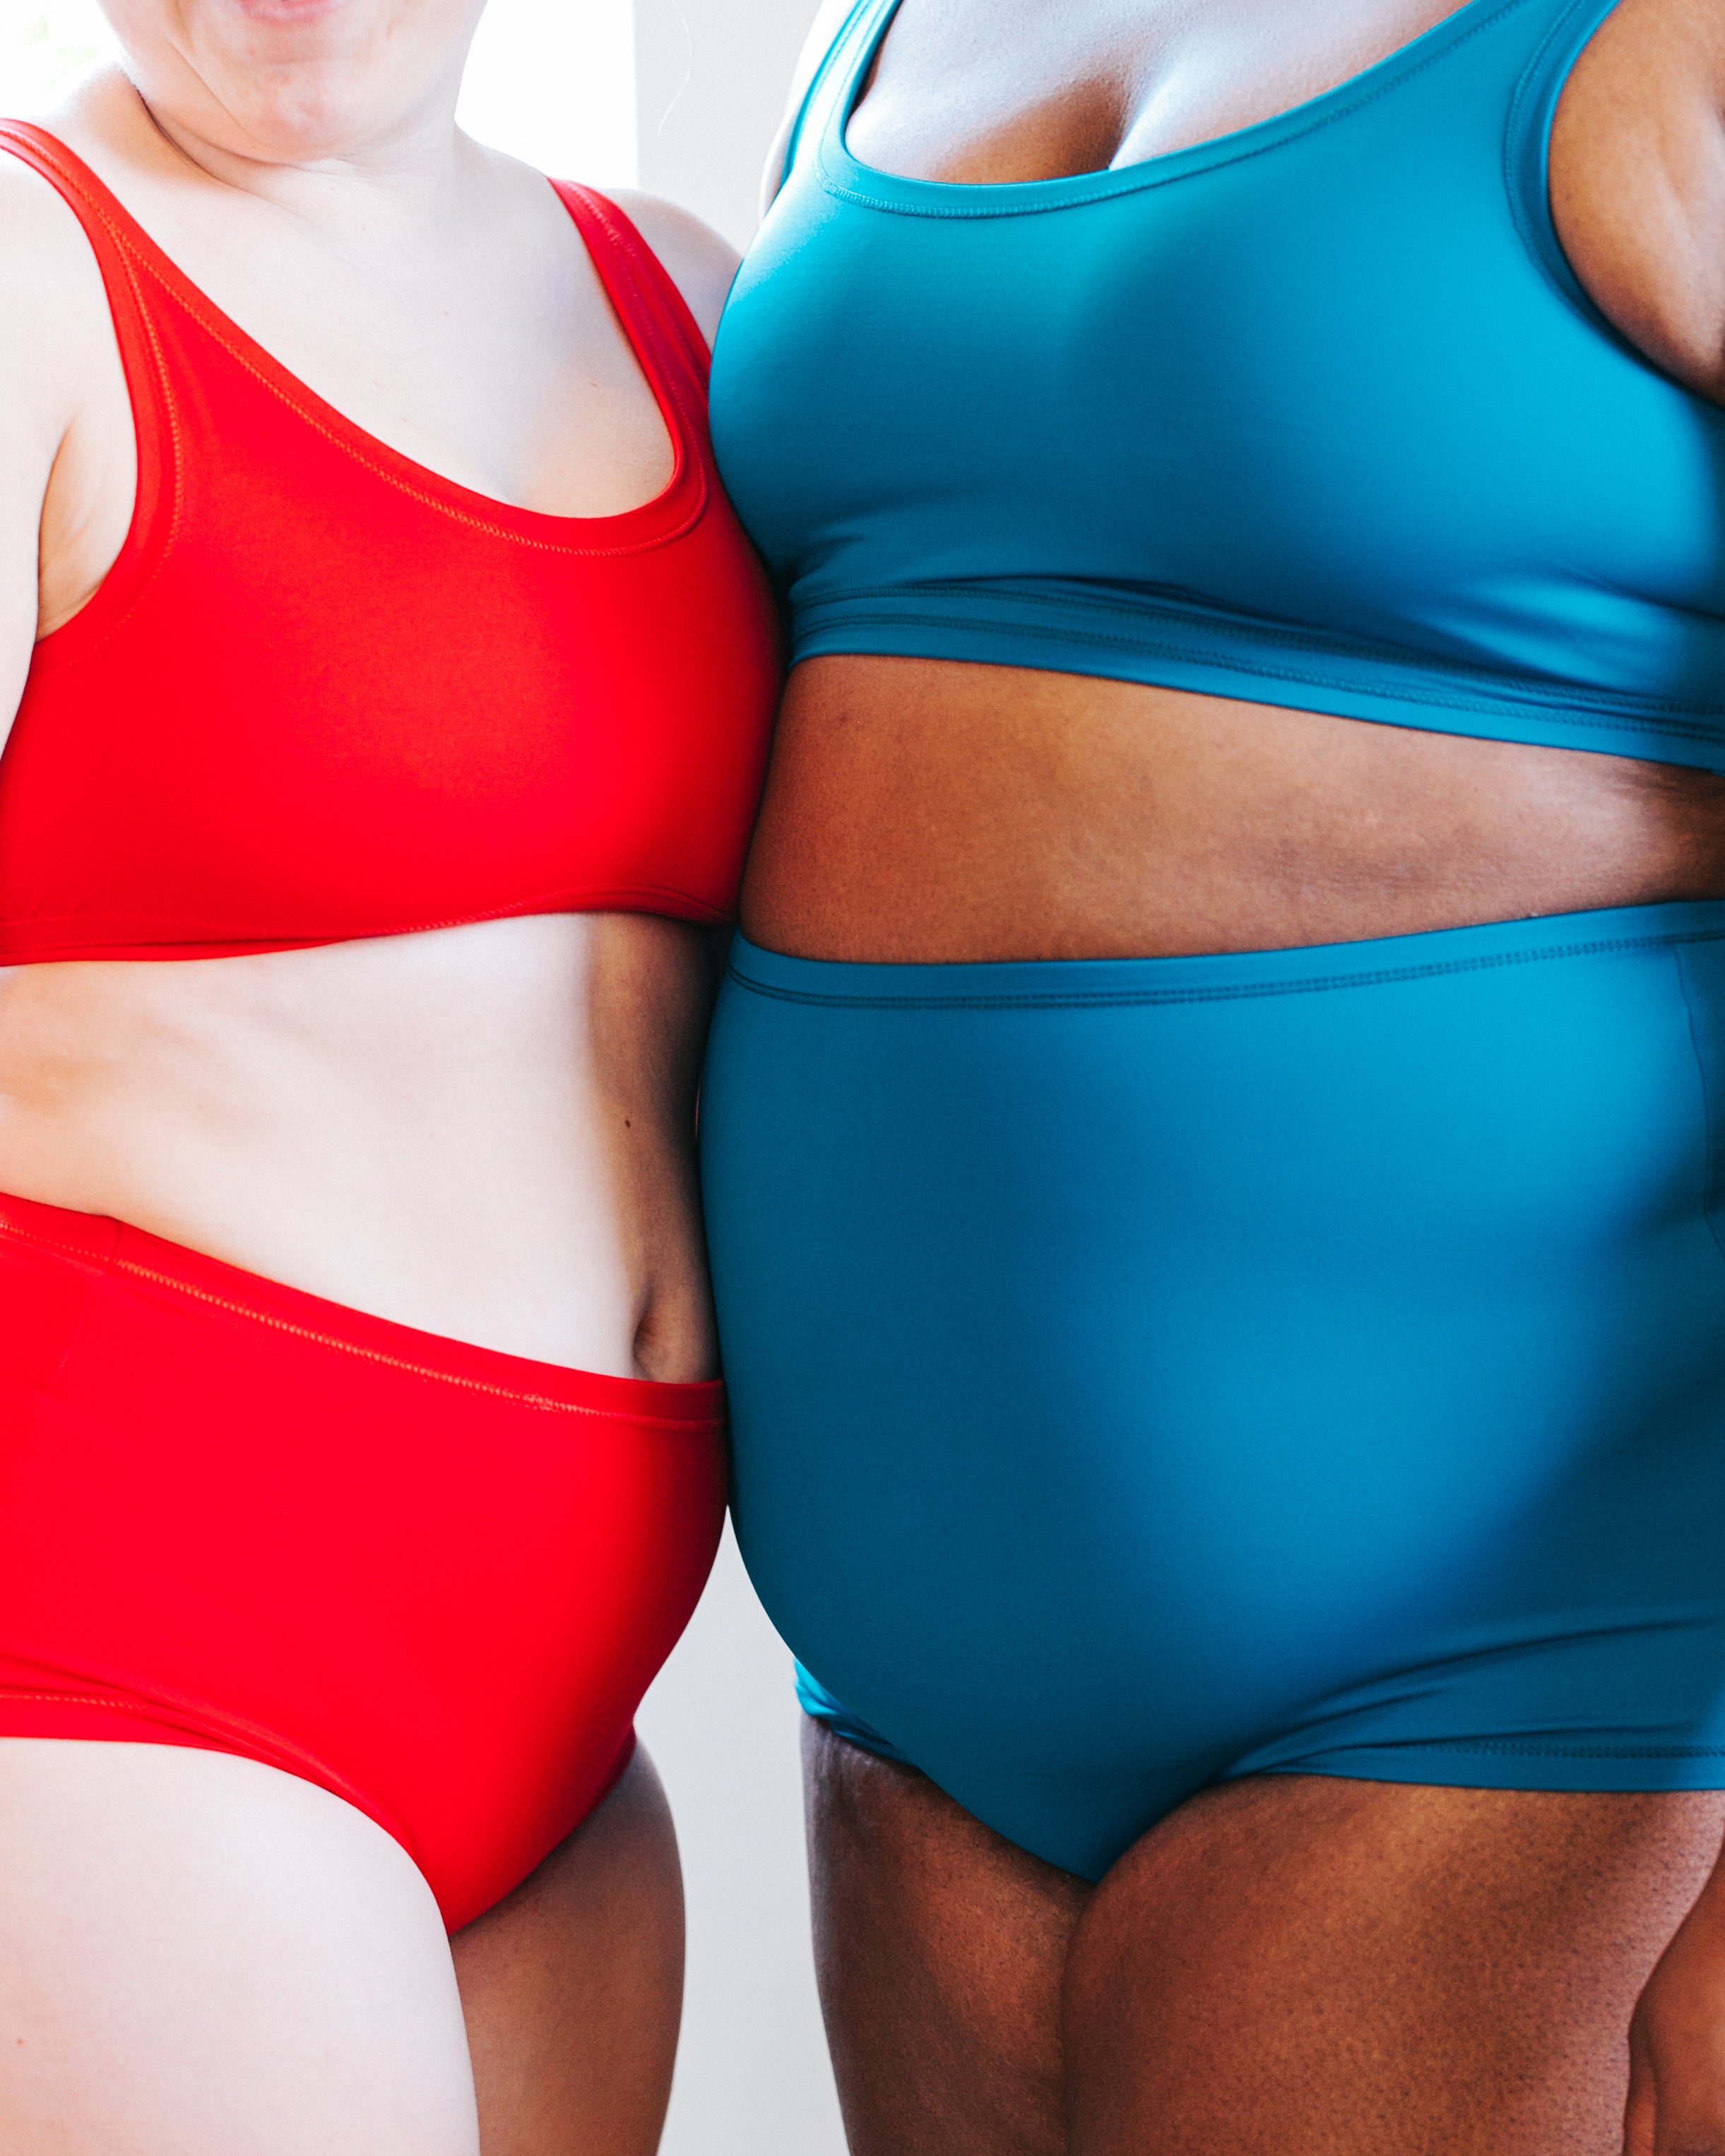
(432,1578)
(324,693)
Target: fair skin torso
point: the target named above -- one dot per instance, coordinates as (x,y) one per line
(486,1132)
(1345,1968)
(278,1112)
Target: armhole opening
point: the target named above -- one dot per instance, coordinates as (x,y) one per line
(157,488)
(820,84)
(663,335)
(1528,156)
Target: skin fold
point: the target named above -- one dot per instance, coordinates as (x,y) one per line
(486,1132)
(1338,1968)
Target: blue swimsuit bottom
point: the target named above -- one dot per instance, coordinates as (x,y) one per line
(1150,1372)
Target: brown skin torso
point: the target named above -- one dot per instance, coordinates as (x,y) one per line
(1285,1964)
(926,810)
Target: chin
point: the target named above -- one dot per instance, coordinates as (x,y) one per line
(294,12)
(289,81)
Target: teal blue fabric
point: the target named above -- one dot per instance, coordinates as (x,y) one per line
(1315,415)
(1150,1372)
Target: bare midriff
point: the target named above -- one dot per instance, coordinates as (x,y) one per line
(485,1131)
(927,810)
(930,811)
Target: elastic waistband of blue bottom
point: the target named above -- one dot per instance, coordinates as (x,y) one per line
(1078,982)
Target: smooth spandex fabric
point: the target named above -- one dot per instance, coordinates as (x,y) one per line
(1314,415)
(325,693)
(1146,1372)
(432,1579)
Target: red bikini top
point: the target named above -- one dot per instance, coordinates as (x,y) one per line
(324,693)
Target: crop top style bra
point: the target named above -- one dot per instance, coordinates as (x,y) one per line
(325,693)
(1315,414)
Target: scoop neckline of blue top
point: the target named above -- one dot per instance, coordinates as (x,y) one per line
(848,175)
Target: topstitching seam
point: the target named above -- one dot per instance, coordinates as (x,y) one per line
(1129,998)
(197,1718)
(117,1264)
(1344,109)
(903,617)
(1514,1748)
(403,484)
(689,447)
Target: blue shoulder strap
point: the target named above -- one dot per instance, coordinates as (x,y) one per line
(818,81)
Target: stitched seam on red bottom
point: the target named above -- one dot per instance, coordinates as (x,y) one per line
(692,1423)
(204,1725)
(59,1250)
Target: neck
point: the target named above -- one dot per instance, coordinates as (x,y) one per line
(401,166)
(295,100)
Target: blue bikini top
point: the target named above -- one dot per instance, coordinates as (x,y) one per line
(1315,414)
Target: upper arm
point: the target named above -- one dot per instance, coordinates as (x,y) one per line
(700,264)
(828,23)
(1638,182)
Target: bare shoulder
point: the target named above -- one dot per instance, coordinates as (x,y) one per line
(701,262)
(53,322)
(49,275)
(56,334)
(1638,181)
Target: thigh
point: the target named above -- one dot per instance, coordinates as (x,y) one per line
(1361,1968)
(571,1987)
(202,1956)
(939,1948)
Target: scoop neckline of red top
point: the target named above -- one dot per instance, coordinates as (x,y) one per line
(663,517)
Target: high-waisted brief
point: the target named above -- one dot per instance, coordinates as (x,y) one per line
(433,1578)
(1144,1372)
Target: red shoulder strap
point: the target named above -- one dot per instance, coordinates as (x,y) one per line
(640,287)
(120,249)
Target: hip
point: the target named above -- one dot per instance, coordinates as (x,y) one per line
(1143,1371)
(432,1577)
(1416,1221)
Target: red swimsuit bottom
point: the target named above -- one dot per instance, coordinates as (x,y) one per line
(433,1578)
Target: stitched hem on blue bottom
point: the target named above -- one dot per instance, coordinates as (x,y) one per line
(1504,1765)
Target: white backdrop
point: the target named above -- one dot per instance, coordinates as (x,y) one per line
(683,95)
(752,2076)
